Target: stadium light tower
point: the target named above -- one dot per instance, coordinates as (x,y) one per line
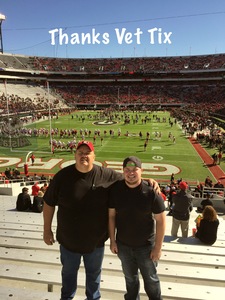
(2,18)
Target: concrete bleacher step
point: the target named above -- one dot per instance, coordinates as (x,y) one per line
(182,247)
(24,227)
(167,271)
(24,90)
(176,293)
(111,262)
(11,293)
(26,293)
(188,270)
(171,290)
(34,233)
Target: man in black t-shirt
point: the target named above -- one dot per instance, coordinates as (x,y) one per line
(81,193)
(134,209)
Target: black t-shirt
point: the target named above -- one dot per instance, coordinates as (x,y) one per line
(206,202)
(207,231)
(134,213)
(38,204)
(82,199)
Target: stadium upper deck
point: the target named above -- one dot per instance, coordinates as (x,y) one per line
(161,81)
(188,66)
(140,64)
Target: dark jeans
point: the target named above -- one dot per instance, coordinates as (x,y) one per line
(70,266)
(133,259)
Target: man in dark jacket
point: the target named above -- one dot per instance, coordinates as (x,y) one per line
(23,202)
(182,206)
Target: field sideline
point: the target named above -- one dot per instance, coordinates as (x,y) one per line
(161,157)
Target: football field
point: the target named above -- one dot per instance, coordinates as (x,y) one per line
(168,149)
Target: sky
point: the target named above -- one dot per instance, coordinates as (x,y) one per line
(112,29)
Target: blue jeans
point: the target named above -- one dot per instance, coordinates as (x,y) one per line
(70,266)
(133,259)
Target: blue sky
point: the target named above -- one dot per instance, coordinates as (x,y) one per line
(104,29)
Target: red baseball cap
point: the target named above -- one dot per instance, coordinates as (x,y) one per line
(89,144)
(183,185)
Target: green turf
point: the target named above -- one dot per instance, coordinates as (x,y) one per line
(159,152)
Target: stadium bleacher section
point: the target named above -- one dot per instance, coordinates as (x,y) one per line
(140,64)
(181,84)
(143,83)
(124,81)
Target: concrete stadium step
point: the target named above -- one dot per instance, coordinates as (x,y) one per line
(188,270)
(112,261)
(173,290)
(11,293)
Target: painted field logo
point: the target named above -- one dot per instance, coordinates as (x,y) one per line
(149,169)
(14,142)
(105,122)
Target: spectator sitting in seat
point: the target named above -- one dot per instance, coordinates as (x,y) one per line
(38,202)
(36,177)
(8,174)
(23,202)
(43,178)
(207,230)
(204,203)
(219,185)
(44,187)
(16,174)
(199,190)
(208,182)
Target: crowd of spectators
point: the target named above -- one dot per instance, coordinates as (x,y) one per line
(15,103)
(14,175)
(133,64)
(116,94)
(140,94)
(90,94)
(197,122)
(162,91)
(201,190)
(184,99)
